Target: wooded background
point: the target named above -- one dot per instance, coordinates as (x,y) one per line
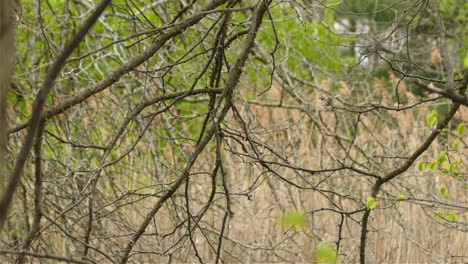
(234,131)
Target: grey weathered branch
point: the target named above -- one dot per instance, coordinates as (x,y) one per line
(398,171)
(39,103)
(231,83)
(45,256)
(124,69)
(448,93)
(33,233)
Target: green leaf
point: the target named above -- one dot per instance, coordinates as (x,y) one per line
(442,157)
(325,254)
(422,165)
(431,119)
(461,129)
(433,165)
(438,216)
(444,191)
(452,167)
(295,219)
(401,197)
(370,204)
(443,133)
(451,217)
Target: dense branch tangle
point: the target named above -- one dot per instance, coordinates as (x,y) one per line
(218,110)
(182,131)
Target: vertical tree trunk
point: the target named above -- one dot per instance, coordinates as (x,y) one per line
(6,67)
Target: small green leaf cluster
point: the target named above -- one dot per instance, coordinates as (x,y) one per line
(431,166)
(325,254)
(401,197)
(440,216)
(442,157)
(452,169)
(371,203)
(439,161)
(294,219)
(443,190)
(460,132)
(461,129)
(431,119)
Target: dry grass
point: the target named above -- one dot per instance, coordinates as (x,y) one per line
(401,231)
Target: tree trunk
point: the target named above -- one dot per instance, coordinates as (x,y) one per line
(6,62)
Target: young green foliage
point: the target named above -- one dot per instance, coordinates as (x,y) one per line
(431,119)
(443,190)
(370,204)
(325,254)
(294,219)
(461,128)
(401,197)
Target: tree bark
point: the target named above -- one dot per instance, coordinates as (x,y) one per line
(7,50)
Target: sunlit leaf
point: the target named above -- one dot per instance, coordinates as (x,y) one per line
(401,197)
(431,119)
(442,157)
(422,166)
(294,219)
(325,254)
(443,190)
(438,216)
(453,166)
(450,216)
(461,129)
(370,204)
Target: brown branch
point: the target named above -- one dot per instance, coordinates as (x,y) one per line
(177,96)
(38,106)
(45,256)
(220,238)
(37,193)
(231,83)
(378,184)
(124,69)
(443,45)
(448,93)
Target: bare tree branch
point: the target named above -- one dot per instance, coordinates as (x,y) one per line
(37,109)
(46,256)
(231,82)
